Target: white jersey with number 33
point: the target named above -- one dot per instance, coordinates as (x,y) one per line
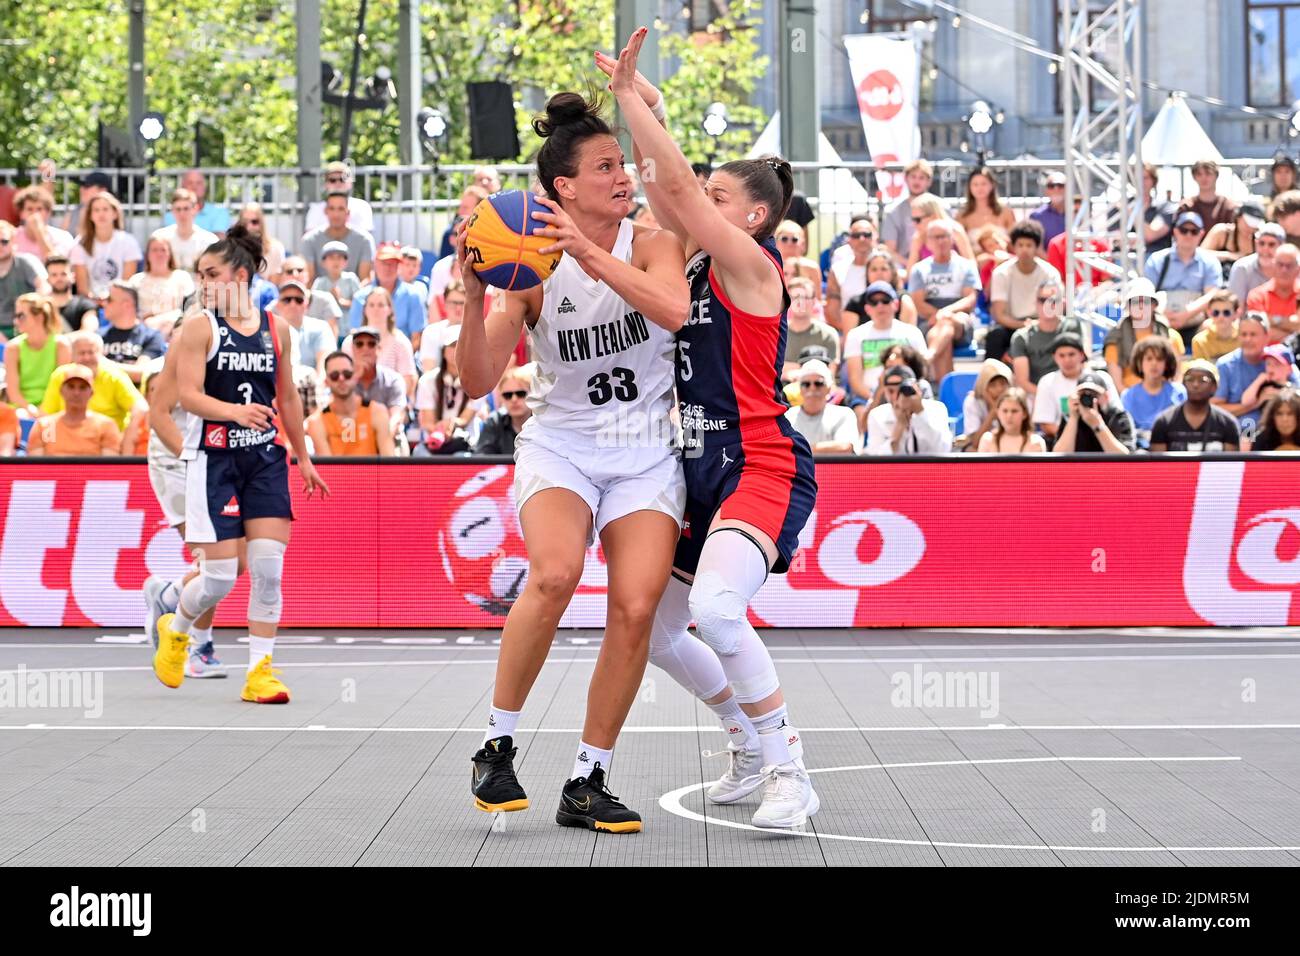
(602,367)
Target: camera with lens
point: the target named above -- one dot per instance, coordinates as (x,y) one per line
(1087,398)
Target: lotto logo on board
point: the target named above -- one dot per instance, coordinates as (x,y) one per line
(215,436)
(880,95)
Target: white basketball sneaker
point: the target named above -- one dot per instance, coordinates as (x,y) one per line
(788,797)
(155,606)
(742,777)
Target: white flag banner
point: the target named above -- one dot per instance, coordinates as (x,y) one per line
(887,75)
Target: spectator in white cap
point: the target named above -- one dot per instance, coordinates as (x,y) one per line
(334,276)
(1141,320)
(1186,273)
(907,424)
(830,429)
(338,178)
(1252,271)
(1094,424)
(408,270)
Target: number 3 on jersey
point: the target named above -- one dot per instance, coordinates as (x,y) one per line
(246,389)
(602,391)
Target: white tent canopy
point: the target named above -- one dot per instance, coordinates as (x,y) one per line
(1176,138)
(839,192)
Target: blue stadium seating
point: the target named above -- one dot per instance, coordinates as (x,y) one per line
(952,392)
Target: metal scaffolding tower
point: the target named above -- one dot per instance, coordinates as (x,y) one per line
(1102,104)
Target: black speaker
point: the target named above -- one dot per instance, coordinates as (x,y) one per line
(492,130)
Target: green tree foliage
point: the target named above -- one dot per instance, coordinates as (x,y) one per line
(63,66)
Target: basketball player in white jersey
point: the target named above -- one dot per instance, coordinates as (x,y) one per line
(168,423)
(597,456)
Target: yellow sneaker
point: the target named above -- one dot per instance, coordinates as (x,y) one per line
(173,651)
(263,687)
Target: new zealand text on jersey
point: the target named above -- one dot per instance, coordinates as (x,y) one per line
(246,361)
(607,338)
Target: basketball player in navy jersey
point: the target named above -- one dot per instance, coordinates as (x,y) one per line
(750,483)
(232,377)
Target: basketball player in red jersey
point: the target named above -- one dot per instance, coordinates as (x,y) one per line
(750,484)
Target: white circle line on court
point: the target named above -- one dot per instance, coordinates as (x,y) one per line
(681,729)
(671,802)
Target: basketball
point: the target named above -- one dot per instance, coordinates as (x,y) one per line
(500,237)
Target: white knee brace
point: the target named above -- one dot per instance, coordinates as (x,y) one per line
(719,612)
(265,570)
(672,648)
(216,579)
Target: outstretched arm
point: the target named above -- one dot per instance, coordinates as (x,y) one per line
(732,249)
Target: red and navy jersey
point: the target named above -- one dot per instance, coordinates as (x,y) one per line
(728,361)
(241,369)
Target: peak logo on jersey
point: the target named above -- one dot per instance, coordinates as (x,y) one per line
(231,510)
(214,436)
(566,307)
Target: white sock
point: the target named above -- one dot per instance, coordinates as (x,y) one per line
(741,732)
(200,636)
(588,757)
(181,622)
(501,723)
(259,647)
(780,741)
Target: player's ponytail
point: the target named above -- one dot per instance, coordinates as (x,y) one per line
(768,180)
(569,121)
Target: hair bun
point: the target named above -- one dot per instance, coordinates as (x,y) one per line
(566,109)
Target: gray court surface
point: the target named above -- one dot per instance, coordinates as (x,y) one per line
(930,748)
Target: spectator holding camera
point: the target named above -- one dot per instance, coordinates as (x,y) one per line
(830,429)
(1055,389)
(1012,433)
(1195,425)
(1140,322)
(349,425)
(1155,363)
(1244,367)
(1093,424)
(906,423)
(1279,426)
(502,427)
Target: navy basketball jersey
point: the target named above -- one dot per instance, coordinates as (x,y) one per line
(241,369)
(728,361)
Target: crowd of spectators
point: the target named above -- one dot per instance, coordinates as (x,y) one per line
(1201,357)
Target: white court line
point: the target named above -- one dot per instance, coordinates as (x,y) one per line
(682,729)
(671,802)
(366,643)
(776,660)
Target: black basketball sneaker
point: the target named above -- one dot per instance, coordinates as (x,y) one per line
(492,780)
(587,802)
